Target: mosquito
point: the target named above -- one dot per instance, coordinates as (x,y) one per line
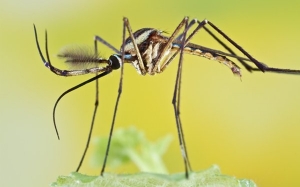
(150,52)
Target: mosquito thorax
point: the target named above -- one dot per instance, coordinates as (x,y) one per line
(140,36)
(115,61)
(150,43)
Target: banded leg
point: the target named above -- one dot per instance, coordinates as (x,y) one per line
(260,66)
(125,25)
(204,22)
(138,54)
(101,40)
(186,42)
(176,104)
(170,41)
(224,55)
(247,66)
(96,104)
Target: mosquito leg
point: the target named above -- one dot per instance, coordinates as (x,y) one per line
(258,64)
(176,105)
(94,113)
(198,50)
(101,40)
(170,41)
(127,25)
(178,111)
(186,41)
(65,73)
(247,66)
(261,66)
(118,98)
(91,128)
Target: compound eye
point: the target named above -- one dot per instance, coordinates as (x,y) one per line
(115,61)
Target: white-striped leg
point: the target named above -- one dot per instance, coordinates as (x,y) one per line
(169,43)
(176,105)
(96,104)
(117,100)
(262,67)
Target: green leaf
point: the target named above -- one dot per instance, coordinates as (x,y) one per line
(208,178)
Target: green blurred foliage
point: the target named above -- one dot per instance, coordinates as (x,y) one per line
(131,145)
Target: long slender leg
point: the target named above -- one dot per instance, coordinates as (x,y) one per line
(262,67)
(91,128)
(258,64)
(97,39)
(170,41)
(101,40)
(247,66)
(176,105)
(200,25)
(94,113)
(186,41)
(117,101)
(217,55)
(232,53)
(178,110)
(127,25)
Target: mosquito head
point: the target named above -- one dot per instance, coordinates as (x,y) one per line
(115,61)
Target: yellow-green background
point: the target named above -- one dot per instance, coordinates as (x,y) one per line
(250,128)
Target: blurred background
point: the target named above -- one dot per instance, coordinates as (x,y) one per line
(249,128)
